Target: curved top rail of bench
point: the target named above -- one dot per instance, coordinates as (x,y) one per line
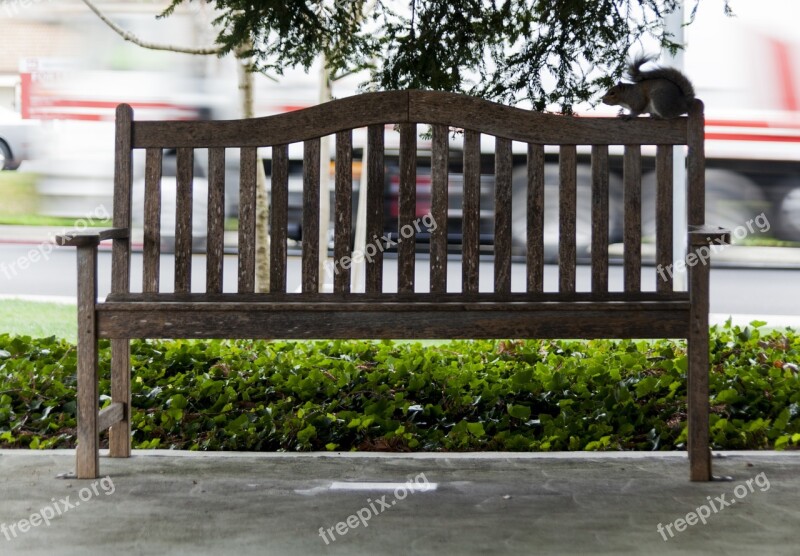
(394,107)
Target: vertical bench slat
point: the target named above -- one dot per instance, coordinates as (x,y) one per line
(279,216)
(151,251)
(663,218)
(311,223)
(695,166)
(216,219)
(123,187)
(502,216)
(535,218)
(632,213)
(406,244)
(374,192)
(567,187)
(470,226)
(248,161)
(87,460)
(183,220)
(600,218)
(343,219)
(440,158)
(697,346)
(119,438)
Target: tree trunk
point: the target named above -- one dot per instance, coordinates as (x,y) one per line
(262,207)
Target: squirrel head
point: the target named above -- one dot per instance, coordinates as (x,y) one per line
(614,95)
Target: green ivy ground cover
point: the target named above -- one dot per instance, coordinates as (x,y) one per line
(356,395)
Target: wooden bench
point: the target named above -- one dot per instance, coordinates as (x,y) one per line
(494,311)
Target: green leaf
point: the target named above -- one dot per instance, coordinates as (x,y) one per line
(523,376)
(178,401)
(519,411)
(646,386)
(305,435)
(728,396)
(476,429)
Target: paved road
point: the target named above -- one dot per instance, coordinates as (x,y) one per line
(733,291)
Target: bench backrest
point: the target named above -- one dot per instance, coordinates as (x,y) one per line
(405,109)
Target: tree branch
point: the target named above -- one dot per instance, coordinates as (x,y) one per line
(130,37)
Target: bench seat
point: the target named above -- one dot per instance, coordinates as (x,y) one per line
(401,316)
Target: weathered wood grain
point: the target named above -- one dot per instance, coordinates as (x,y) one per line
(110,415)
(664,236)
(88,461)
(216,220)
(397,107)
(502,216)
(375,187)
(527,126)
(470,213)
(696,165)
(330,301)
(632,215)
(343,211)
(440,157)
(697,389)
(410,320)
(78,238)
(279,217)
(151,250)
(123,188)
(567,214)
(535,218)
(119,437)
(183,220)
(248,161)
(311,223)
(600,218)
(380,108)
(406,242)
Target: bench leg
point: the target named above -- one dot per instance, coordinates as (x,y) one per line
(697,402)
(88,457)
(119,440)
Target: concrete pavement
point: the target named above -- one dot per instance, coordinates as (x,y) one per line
(175,503)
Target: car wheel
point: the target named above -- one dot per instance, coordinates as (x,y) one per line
(551,210)
(6,162)
(731,200)
(789,215)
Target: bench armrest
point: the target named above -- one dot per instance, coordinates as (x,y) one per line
(708,235)
(79,238)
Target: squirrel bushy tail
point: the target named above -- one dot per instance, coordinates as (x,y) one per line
(670,74)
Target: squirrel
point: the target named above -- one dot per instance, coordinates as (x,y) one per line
(661,92)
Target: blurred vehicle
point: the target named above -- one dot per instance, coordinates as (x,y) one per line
(746,70)
(169,188)
(17,138)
